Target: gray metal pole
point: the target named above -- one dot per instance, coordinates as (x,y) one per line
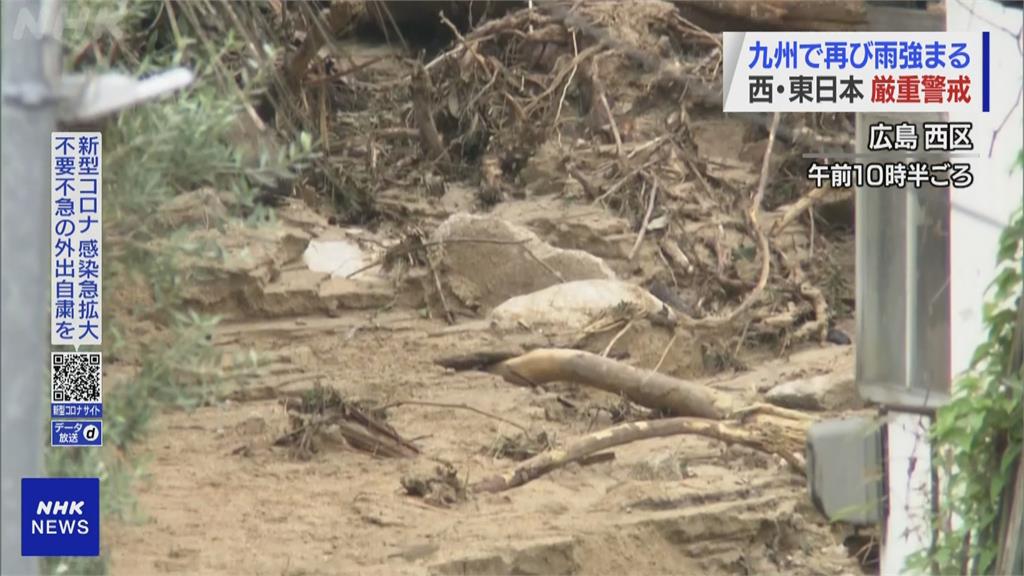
(28,117)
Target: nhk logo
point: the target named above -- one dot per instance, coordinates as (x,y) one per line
(60,516)
(60,509)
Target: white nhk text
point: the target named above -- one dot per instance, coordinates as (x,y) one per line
(60,525)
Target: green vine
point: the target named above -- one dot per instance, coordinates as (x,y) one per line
(977,436)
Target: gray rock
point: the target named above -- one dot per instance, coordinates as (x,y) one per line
(487,260)
(834,391)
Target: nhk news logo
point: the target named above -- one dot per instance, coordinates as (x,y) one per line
(60,517)
(855,71)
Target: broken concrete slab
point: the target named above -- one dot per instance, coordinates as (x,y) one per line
(296,213)
(230,267)
(348,294)
(294,293)
(834,391)
(486,260)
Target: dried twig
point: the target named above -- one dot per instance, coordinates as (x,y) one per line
(611,344)
(423,114)
(664,353)
(582,56)
(602,98)
(398,403)
(646,220)
(340,14)
(676,254)
(449,316)
(622,181)
(763,247)
(791,211)
(818,326)
(561,101)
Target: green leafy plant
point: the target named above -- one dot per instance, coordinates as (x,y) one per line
(978,435)
(152,154)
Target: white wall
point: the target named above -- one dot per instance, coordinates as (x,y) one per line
(977,219)
(996,193)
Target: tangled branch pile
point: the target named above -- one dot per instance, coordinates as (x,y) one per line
(591,103)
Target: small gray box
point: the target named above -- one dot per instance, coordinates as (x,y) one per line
(844,469)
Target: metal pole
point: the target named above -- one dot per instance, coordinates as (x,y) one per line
(28,117)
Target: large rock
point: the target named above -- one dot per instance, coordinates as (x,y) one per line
(590,315)
(573,306)
(572,225)
(834,391)
(486,260)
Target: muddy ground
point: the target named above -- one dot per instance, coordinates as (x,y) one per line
(220,498)
(563,148)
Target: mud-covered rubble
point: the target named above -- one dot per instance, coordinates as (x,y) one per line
(275,268)
(833,391)
(579,305)
(486,260)
(572,225)
(748,530)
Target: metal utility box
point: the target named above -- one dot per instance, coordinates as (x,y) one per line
(844,469)
(903,316)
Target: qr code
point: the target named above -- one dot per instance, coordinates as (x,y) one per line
(76,377)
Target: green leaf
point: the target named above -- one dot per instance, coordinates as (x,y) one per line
(988,555)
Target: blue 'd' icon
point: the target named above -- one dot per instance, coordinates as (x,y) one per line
(60,516)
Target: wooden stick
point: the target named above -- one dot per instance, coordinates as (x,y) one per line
(340,14)
(646,388)
(763,247)
(424,116)
(791,211)
(631,432)
(398,403)
(646,221)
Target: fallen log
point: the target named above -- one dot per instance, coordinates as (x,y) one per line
(784,440)
(644,387)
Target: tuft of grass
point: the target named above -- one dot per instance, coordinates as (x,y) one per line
(152,154)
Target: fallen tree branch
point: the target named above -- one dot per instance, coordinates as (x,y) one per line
(819,326)
(763,248)
(646,221)
(339,16)
(361,432)
(791,211)
(644,387)
(786,444)
(602,98)
(424,116)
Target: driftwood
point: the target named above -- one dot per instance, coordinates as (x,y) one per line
(647,388)
(373,438)
(771,432)
(323,408)
(340,15)
(719,15)
(424,116)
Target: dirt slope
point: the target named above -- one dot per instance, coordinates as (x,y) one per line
(220,499)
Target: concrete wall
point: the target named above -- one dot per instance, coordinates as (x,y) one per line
(982,211)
